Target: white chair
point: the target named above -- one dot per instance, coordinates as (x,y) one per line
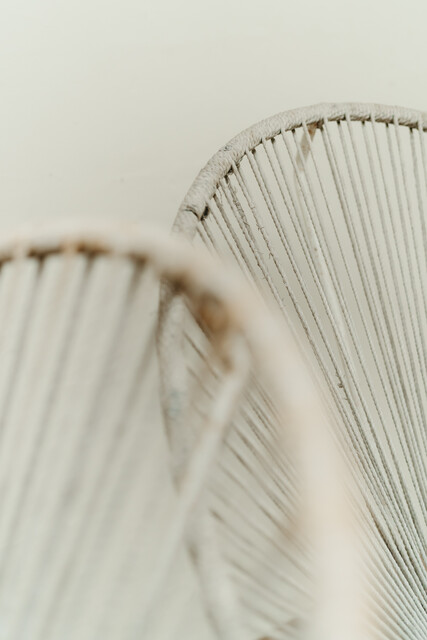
(103,534)
(87,493)
(324,210)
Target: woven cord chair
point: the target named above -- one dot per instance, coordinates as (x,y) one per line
(103,533)
(324,210)
(88,503)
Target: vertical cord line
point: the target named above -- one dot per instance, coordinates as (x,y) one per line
(367,333)
(411,443)
(362,270)
(413,420)
(244,187)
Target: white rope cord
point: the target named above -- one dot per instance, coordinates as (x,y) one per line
(386,586)
(324,210)
(44,436)
(280,471)
(253,515)
(256,475)
(258,220)
(103,534)
(85,472)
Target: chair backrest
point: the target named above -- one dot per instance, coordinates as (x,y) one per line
(324,209)
(103,533)
(87,493)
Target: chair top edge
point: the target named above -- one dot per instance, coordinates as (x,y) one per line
(172,259)
(40,239)
(204,185)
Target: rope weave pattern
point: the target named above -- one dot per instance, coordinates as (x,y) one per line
(324,210)
(101,529)
(92,533)
(84,483)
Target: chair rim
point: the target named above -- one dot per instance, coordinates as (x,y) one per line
(173,259)
(219,165)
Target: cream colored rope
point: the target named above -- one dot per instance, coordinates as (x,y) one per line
(324,210)
(242,530)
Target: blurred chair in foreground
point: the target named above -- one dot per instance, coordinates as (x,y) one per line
(104,533)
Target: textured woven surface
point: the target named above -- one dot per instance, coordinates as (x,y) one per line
(104,533)
(86,490)
(324,210)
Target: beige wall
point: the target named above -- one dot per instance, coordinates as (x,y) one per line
(111,107)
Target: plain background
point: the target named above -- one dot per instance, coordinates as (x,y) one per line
(110,108)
